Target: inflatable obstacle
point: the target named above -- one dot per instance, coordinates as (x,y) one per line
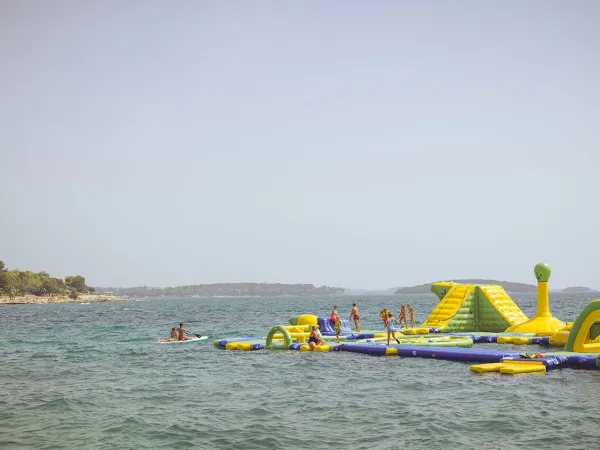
(520,364)
(584,336)
(474,308)
(441,288)
(543,322)
(467,315)
(327,326)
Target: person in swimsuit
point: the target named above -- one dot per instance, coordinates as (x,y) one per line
(314,339)
(390,328)
(412,314)
(172,337)
(181,332)
(334,314)
(338,328)
(402,317)
(384,314)
(319,331)
(354,315)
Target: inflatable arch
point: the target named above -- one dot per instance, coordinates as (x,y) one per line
(585,333)
(287,339)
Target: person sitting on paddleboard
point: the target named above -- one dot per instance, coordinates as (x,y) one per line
(182,332)
(172,337)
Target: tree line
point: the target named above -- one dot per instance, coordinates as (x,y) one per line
(17,282)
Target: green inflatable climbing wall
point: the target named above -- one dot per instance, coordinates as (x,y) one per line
(474,308)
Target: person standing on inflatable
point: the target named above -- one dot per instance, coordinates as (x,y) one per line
(391,331)
(412,314)
(334,314)
(402,318)
(338,328)
(354,315)
(384,314)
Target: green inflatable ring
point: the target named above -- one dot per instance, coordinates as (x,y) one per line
(278,329)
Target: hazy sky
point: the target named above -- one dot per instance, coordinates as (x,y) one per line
(348,143)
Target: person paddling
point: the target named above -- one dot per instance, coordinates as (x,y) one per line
(181,332)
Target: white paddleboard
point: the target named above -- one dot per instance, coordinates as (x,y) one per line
(188,340)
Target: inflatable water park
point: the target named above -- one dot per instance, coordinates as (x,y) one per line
(466,315)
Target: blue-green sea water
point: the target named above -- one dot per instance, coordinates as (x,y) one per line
(93,377)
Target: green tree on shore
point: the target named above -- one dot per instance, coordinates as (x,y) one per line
(3,277)
(76,282)
(17,282)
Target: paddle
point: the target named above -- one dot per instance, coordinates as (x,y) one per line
(197,335)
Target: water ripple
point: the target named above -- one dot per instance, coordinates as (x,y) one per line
(93,378)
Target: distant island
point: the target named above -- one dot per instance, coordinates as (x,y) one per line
(390,291)
(224,290)
(17,286)
(508,286)
(578,290)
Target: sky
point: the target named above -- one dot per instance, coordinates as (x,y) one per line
(346,143)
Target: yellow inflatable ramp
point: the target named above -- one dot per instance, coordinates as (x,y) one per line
(469,307)
(503,305)
(448,306)
(511,367)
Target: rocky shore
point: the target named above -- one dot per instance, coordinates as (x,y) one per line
(83,298)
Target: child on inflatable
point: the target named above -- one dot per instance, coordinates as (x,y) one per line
(338,328)
(390,328)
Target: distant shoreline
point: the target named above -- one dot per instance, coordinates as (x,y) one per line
(107,298)
(41,300)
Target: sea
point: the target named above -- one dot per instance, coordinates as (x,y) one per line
(91,376)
